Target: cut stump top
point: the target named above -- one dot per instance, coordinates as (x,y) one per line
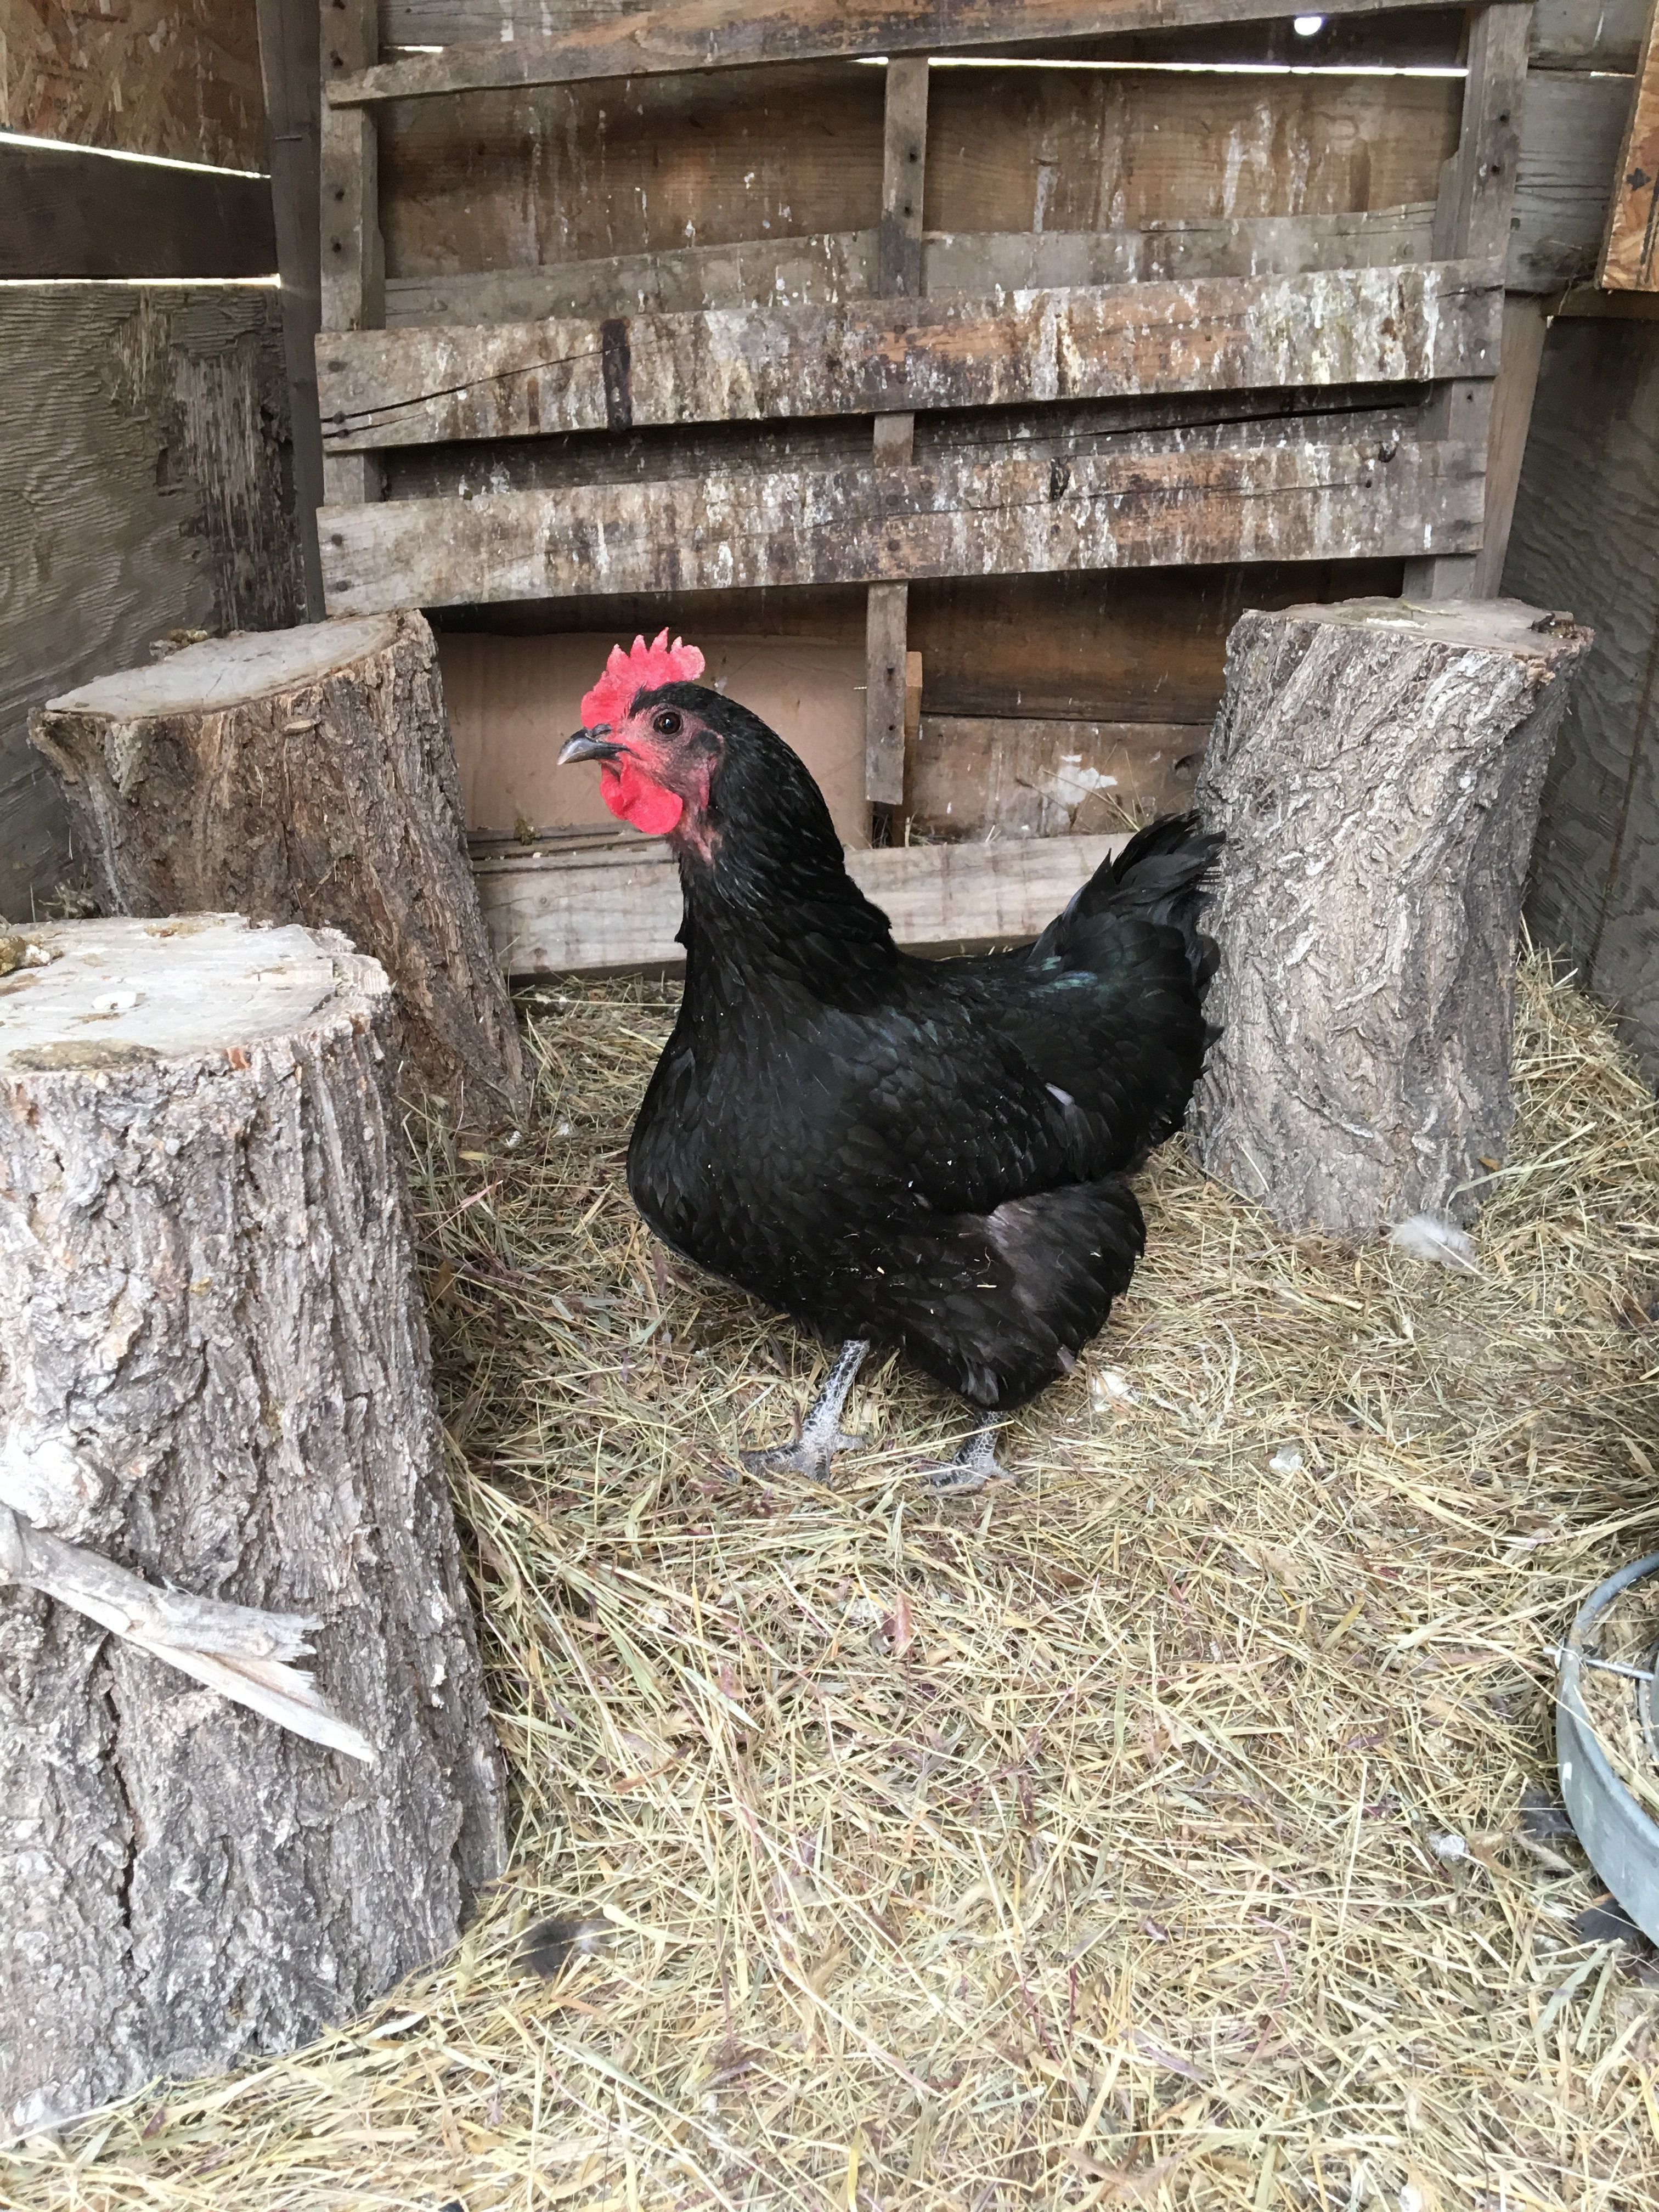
(1465,625)
(224,671)
(121,993)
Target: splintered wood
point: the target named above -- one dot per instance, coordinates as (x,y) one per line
(1375,768)
(216,1378)
(302,776)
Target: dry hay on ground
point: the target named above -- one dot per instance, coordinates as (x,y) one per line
(1086,1845)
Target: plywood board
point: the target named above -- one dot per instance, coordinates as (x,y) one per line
(1629,258)
(610,910)
(174,77)
(514,701)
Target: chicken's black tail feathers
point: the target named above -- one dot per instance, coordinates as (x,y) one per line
(1161,875)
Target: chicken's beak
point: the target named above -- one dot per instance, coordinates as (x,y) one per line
(590,744)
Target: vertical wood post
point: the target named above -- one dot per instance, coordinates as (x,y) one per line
(1526,323)
(353,275)
(288,66)
(1472,223)
(904,151)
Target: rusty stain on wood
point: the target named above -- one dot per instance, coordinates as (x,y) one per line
(962,516)
(1382,325)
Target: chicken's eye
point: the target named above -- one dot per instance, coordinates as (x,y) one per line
(667,724)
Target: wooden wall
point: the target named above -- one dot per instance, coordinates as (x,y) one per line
(1586,539)
(144,489)
(145,427)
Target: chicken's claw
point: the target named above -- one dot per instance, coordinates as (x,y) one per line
(812,1456)
(974,1466)
(820,1436)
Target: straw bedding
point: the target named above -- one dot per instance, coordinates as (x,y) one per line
(1147,1835)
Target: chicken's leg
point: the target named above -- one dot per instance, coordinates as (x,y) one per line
(975,1464)
(821,1433)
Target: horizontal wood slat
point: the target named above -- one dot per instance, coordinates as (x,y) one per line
(962,516)
(604,910)
(831,266)
(704,35)
(1409,325)
(971,775)
(70,212)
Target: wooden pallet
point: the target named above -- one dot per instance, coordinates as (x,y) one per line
(1159,384)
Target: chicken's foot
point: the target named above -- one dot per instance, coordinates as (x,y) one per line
(821,1435)
(974,1465)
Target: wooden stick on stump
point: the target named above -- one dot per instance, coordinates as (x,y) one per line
(1375,769)
(303,776)
(215,1376)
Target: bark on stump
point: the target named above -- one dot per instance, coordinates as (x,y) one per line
(303,776)
(214,1370)
(1375,769)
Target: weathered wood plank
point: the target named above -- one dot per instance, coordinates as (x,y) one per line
(352,266)
(1471,216)
(1383,326)
(288,61)
(1472,212)
(704,35)
(884,651)
(1629,258)
(141,490)
(898,273)
(73,213)
(661,163)
(1573,127)
(1422,36)
(840,266)
(903,170)
(1525,323)
(1587,34)
(961,517)
(604,911)
(971,775)
(1186,421)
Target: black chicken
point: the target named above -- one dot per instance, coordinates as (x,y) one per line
(927,1153)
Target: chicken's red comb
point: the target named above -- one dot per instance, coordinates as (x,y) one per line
(645,668)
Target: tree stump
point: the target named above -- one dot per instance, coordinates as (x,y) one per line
(1375,769)
(215,1373)
(303,776)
